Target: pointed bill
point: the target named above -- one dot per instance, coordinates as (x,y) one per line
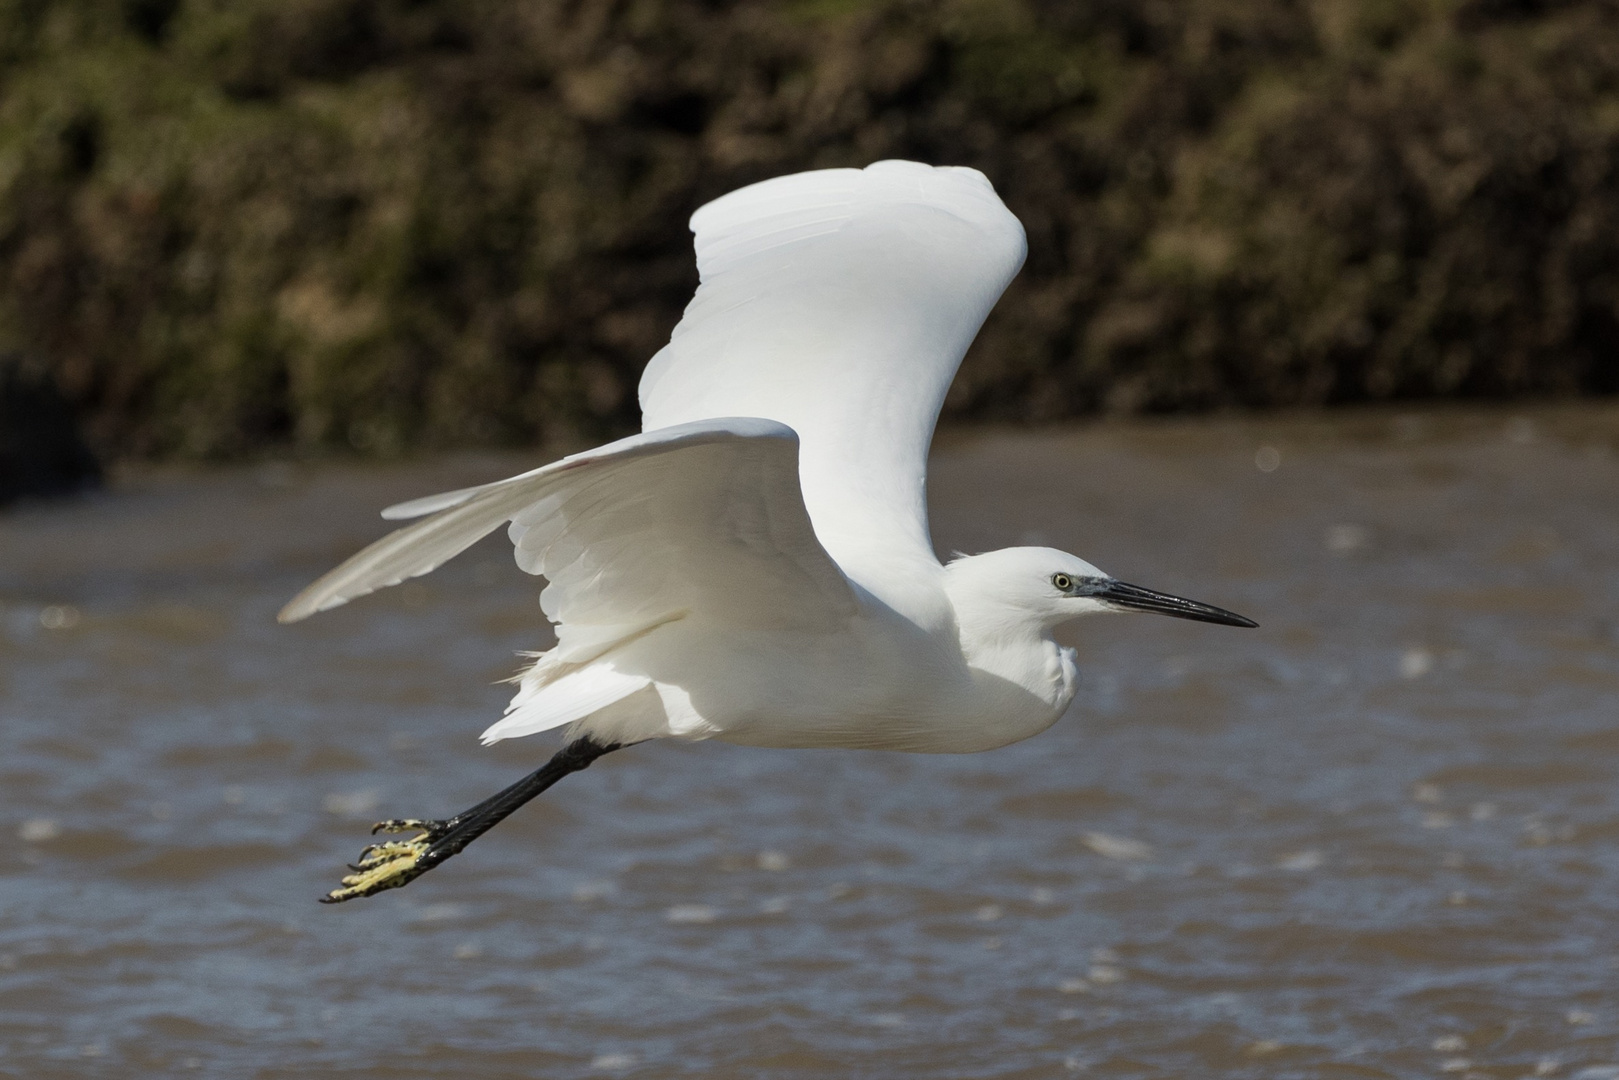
(1126,597)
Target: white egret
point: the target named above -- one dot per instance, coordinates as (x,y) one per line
(756,565)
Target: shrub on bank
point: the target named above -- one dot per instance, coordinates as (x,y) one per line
(381,223)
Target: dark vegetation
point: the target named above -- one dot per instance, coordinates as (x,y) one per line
(239,224)
(41,453)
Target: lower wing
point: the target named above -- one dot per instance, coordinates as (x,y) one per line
(703,517)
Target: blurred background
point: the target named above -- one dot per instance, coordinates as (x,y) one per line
(1319,324)
(386,225)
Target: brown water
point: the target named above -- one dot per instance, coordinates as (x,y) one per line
(1375,838)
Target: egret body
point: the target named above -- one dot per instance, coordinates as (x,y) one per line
(755,566)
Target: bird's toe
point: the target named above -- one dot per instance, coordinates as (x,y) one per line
(375,855)
(383,866)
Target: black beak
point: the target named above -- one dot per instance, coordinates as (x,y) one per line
(1128,597)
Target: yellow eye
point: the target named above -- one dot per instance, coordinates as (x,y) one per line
(1062,581)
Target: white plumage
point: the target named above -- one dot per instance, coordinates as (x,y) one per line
(756,565)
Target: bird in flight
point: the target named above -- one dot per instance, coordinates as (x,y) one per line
(755,566)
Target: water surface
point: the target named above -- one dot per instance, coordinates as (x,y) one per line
(1374,838)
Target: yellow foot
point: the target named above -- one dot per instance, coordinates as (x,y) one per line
(390,864)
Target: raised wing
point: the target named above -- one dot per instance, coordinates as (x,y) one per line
(840,303)
(703,518)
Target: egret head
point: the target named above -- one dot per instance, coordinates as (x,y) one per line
(1049,587)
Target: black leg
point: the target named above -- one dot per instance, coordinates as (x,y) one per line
(393,863)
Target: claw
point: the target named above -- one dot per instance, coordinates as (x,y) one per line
(383,866)
(391,863)
(376,854)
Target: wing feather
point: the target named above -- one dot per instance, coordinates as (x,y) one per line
(704,516)
(834,309)
(840,303)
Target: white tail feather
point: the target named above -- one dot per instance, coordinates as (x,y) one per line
(571,697)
